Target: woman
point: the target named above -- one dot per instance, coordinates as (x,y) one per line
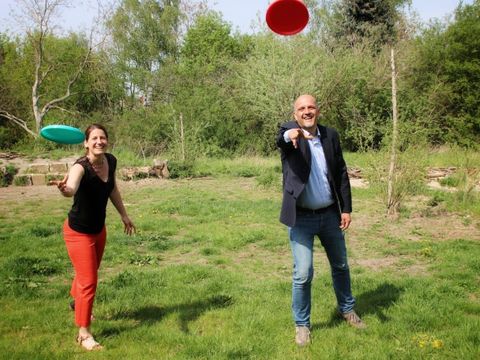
(91,181)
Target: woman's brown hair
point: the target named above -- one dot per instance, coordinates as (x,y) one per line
(93,127)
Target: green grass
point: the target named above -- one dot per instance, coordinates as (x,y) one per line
(208,276)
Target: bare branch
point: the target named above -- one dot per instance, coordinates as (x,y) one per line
(68,93)
(64,110)
(17,121)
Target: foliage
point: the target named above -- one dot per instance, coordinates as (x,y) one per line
(14,89)
(179,169)
(269,81)
(179,84)
(22,180)
(7,174)
(145,35)
(466,180)
(409,174)
(357,20)
(144,130)
(445,74)
(94,92)
(203,90)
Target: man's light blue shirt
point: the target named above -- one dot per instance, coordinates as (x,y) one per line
(317,193)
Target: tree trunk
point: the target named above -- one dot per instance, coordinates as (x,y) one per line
(182,137)
(392,201)
(40,14)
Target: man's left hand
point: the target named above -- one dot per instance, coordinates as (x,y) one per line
(345,221)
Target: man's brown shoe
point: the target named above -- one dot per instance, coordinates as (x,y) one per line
(354,320)
(302,335)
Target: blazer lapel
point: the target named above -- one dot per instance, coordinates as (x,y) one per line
(305,150)
(327,147)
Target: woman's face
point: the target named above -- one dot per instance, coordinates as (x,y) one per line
(96,143)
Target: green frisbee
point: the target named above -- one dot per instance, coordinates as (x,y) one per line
(62,134)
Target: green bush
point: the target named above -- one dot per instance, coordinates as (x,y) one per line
(181,169)
(7,174)
(22,180)
(409,174)
(451,180)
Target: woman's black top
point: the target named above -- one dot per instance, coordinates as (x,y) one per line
(90,201)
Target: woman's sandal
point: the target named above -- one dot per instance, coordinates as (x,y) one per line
(88,343)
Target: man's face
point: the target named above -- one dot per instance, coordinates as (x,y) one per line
(306,113)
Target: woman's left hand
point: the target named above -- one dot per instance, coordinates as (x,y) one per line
(129,227)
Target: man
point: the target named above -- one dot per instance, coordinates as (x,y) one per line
(316,201)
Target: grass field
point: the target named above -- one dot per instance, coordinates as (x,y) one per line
(208,276)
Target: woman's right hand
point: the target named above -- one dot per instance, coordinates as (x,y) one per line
(68,186)
(60,184)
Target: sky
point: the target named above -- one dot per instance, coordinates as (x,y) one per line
(241,14)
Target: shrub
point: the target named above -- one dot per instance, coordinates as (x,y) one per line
(185,169)
(22,180)
(7,174)
(181,169)
(408,178)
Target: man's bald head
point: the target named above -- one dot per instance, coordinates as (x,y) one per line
(304,97)
(305,112)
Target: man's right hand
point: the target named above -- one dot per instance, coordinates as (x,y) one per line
(295,134)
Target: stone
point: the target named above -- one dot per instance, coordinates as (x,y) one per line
(58,168)
(38,169)
(38,179)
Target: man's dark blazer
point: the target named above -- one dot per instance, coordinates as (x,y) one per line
(296,171)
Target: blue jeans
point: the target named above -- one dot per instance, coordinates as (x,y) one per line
(326,227)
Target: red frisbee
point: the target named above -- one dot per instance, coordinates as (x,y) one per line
(287,17)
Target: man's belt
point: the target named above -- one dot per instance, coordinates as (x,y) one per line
(315,211)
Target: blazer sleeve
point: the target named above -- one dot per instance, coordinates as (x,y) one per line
(280,140)
(343,186)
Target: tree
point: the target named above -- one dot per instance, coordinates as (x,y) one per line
(14,90)
(445,77)
(203,93)
(144,36)
(356,20)
(38,36)
(375,23)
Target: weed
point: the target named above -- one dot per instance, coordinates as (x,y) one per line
(269,179)
(27,267)
(7,173)
(44,231)
(143,260)
(22,180)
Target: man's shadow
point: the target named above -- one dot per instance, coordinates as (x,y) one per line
(371,302)
(149,315)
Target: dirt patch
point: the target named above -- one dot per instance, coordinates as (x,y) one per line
(382,264)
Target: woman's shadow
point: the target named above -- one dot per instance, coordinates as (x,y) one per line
(373,302)
(149,315)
